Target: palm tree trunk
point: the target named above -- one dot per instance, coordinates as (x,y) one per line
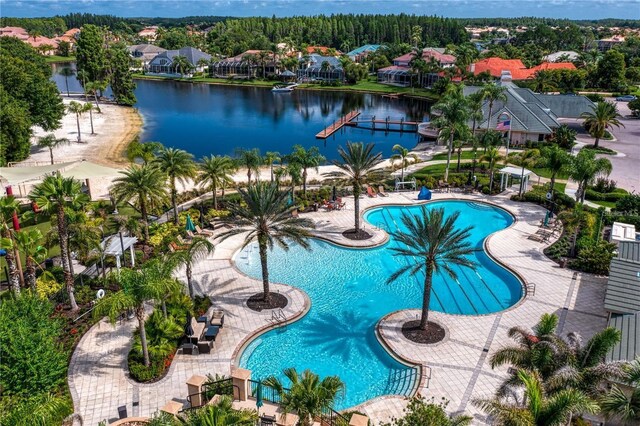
(552,183)
(596,143)
(214,191)
(51,154)
(265,270)
(189,283)
(14,280)
(446,170)
(304,183)
(143,335)
(521,182)
(78,123)
(91,120)
(426,298)
(164,308)
(173,200)
(356,206)
(249,176)
(271,168)
(95,94)
(491,181)
(402,171)
(66,82)
(64,254)
(31,273)
(73,274)
(489,117)
(458,166)
(145,222)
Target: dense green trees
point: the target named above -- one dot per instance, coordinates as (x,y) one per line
(122,85)
(91,53)
(610,71)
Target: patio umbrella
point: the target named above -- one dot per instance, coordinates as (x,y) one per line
(188,329)
(259,402)
(190,226)
(546,218)
(290,202)
(334,195)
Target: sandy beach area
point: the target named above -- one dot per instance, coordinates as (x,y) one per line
(115,127)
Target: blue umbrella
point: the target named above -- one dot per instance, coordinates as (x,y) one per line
(259,402)
(190,226)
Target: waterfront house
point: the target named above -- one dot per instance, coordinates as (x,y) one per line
(163,62)
(361,53)
(248,64)
(145,53)
(399,74)
(46,46)
(321,50)
(533,116)
(320,68)
(497,67)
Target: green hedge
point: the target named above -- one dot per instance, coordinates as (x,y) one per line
(614,196)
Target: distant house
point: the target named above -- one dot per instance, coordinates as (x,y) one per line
(70,36)
(145,53)
(16,32)
(516,69)
(607,43)
(561,56)
(163,62)
(321,68)
(149,33)
(44,45)
(399,74)
(622,301)
(320,50)
(361,53)
(533,116)
(245,65)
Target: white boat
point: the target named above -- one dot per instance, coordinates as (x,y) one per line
(284,89)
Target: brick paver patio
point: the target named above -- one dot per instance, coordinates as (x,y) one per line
(458,367)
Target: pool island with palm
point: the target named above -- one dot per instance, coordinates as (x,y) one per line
(349,294)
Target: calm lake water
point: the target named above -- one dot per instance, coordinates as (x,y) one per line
(207,119)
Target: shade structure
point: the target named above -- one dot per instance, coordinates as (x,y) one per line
(188,329)
(424,194)
(259,401)
(80,170)
(190,226)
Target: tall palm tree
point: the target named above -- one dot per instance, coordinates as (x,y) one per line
(78,109)
(403,155)
(475,102)
(146,151)
(306,159)
(526,158)
(491,93)
(50,141)
(437,244)
(181,64)
(584,168)
(215,172)
(88,107)
(269,158)
(604,116)
(93,87)
(66,72)
(307,394)
(9,207)
(492,156)
(198,249)
(537,408)
(143,184)
(564,136)
(357,168)
(138,287)
(624,404)
(264,215)
(28,242)
(178,165)
(57,195)
(251,160)
(220,414)
(263,56)
(556,160)
(452,111)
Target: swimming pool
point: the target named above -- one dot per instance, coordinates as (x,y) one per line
(349,295)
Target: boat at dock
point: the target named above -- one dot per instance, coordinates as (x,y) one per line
(284,89)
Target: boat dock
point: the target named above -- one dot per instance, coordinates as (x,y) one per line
(338,124)
(386,123)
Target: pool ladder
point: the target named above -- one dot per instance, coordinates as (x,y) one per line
(278,317)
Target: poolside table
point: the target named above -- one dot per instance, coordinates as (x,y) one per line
(203,319)
(212,332)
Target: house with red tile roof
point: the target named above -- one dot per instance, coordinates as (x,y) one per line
(321,50)
(497,67)
(399,74)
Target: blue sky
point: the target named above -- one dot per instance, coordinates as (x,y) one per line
(575,9)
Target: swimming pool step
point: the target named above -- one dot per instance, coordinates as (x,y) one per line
(401,381)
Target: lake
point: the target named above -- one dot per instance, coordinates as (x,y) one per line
(210,119)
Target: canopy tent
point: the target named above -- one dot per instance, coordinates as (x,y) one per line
(513,172)
(18,175)
(116,245)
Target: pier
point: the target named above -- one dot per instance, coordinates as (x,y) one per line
(386,123)
(338,124)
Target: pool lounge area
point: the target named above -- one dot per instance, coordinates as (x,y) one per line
(455,368)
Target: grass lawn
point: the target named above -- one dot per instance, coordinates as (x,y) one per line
(466,155)
(55,58)
(546,173)
(609,204)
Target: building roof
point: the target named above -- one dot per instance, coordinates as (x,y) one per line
(629,346)
(192,54)
(395,69)
(552,57)
(566,106)
(437,53)
(496,66)
(145,48)
(622,294)
(316,61)
(365,48)
(320,49)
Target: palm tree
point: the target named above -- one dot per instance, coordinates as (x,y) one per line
(66,72)
(50,141)
(181,64)
(28,242)
(264,215)
(198,249)
(89,107)
(9,207)
(138,287)
(357,168)
(604,116)
(453,111)
(78,109)
(93,87)
(252,160)
(556,160)
(269,158)
(585,168)
(306,159)
(215,172)
(145,185)
(177,164)
(146,152)
(437,244)
(526,158)
(564,136)
(475,101)
(492,156)
(537,408)
(262,57)
(624,404)
(403,155)
(58,195)
(491,92)
(221,414)
(307,394)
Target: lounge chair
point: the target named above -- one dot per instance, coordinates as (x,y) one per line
(536,237)
(204,232)
(381,191)
(181,240)
(217,318)
(370,192)
(190,234)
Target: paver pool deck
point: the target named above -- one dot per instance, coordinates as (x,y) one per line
(458,368)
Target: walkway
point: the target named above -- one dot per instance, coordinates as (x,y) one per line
(459,369)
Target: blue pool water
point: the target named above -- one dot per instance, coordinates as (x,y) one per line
(349,295)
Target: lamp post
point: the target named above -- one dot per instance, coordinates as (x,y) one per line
(508,118)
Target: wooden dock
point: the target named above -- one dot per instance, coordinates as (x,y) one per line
(338,124)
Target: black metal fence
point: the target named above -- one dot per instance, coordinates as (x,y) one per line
(330,417)
(218,387)
(269,393)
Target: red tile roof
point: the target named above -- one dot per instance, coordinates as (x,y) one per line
(319,49)
(518,71)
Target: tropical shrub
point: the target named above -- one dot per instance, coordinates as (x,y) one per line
(629,204)
(595,258)
(420,413)
(46,285)
(614,196)
(559,249)
(163,233)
